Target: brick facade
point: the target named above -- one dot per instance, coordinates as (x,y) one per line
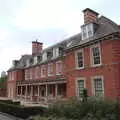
(61,76)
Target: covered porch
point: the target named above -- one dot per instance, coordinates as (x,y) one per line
(41,92)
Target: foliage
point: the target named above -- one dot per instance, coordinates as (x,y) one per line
(21,111)
(48,118)
(10,102)
(3,82)
(89,110)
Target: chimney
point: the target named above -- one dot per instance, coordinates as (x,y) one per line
(90,16)
(36,47)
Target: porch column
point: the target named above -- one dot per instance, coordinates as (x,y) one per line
(21,93)
(25,92)
(56,90)
(38,93)
(46,90)
(31,92)
(17,91)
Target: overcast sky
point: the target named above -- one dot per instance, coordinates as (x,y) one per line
(49,21)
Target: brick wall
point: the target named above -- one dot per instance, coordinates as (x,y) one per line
(110,54)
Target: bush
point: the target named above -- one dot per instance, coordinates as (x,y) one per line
(10,102)
(92,109)
(21,111)
(48,118)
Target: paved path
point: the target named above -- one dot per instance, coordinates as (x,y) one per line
(8,117)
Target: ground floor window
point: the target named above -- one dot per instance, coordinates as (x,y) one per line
(98,88)
(80,87)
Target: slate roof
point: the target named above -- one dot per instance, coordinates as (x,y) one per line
(105,27)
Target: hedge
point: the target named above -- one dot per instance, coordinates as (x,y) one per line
(10,102)
(21,111)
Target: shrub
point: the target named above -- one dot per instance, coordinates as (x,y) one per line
(10,102)
(21,111)
(92,109)
(48,118)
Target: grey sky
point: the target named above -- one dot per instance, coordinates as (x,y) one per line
(22,21)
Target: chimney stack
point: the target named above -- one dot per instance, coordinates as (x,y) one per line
(36,47)
(90,16)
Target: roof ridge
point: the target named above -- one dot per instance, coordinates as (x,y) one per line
(62,41)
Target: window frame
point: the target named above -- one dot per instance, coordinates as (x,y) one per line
(30,74)
(92,57)
(85,29)
(80,79)
(36,74)
(93,88)
(43,67)
(50,69)
(59,69)
(76,58)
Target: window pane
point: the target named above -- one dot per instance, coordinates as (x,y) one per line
(96,55)
(98,89)
(80,87)
(80,59)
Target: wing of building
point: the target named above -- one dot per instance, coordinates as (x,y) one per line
(90,59)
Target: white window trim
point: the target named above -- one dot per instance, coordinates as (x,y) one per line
(50,74)
(13,75)
(43,67)
(58,72)
(44,56)
(87,30)
(35,60)
(31,74)
(76,60)
(55,52)
(92,84)
(36,72)
(91,55)
(77,79)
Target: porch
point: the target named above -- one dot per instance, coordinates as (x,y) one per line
(44,93)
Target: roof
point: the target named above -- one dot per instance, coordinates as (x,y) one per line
(88,9)
(105,27)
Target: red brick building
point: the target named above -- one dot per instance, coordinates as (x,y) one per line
(90,59)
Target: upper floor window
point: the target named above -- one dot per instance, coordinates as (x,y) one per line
(96,56)
(12,76)
(58,67)
(87,31)
(79,59)
(37,72)
(98,87)
(26,74)
(31,73)
(43,71)
(50,69)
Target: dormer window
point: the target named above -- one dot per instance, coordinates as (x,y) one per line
(35,60)
(44,56)
(87,31)
(57,52)
(27,63)
(49,55)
